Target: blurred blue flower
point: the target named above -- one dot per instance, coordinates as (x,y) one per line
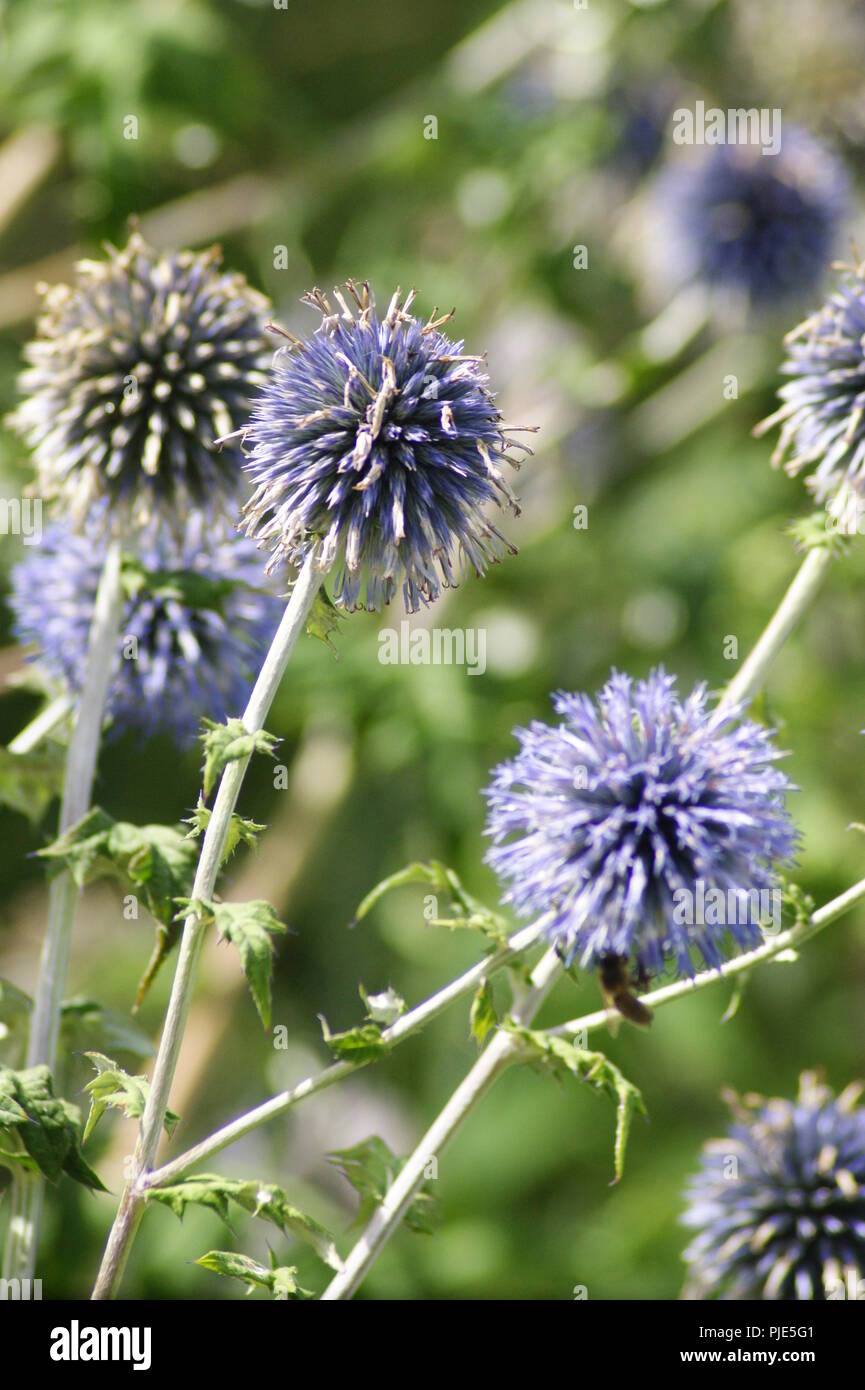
(647,826)
(380,438)
(823,416)
(136,368)
(779,1205)
(639,112)
(757,225)
(195,625)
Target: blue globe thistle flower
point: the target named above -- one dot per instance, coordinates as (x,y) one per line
(136,368)
(779,1205)
(823,416)
(646,825)
(379,439)
(758,226)
(195,625)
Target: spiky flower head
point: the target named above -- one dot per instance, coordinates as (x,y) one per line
(378,439)
(647,826)
(196,622)
(136,368)
(759,226)
(823,416)
(778,1205)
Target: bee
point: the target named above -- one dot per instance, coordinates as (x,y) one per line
(617,986)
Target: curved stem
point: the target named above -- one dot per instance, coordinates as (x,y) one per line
(739,965)
(23,1232)
(126,1222)
(504,1048)
(388,1215)
(45,723)
(403,1028)
(803,589)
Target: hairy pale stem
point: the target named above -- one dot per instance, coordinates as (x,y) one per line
(740,965)
(504,1047)
(403,1028)
(23,1232)
(129,1214)
(748,680)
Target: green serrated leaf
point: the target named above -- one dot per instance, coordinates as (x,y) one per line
(281,1282)
(260,1199)
(249,927)
(468,912)
(324,620)
(113,1088)
(228,743)
(154,862)
(560,1054)
(482,1017)
(371,1167)
(359,1045)
(50,1135)
(240,830)
(29,782)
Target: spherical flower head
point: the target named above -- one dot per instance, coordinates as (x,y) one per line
(646,826)
(137,367)
(196,623)
(823,416)
(378,440)
(758,226)
(778,1205)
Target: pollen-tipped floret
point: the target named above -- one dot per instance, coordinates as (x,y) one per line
(196,622)
(378,439)
(646,826)
(136,368)
(823,416)
(778,1205)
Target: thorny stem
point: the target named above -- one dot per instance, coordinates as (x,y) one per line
(803,589)
(504,1048)
(404,1027)
(129,1214)
(23,1232)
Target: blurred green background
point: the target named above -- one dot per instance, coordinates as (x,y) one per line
(296,138)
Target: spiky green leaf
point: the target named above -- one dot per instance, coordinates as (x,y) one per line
(259,1199)
(249,927)
(228,743)
(561,1055)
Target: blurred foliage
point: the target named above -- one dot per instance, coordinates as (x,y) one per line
(552,123)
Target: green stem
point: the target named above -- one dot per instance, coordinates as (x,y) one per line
(23,1233)
(786,941)
(403,1028)
(129,1214)
(803,589)
(503,1049)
